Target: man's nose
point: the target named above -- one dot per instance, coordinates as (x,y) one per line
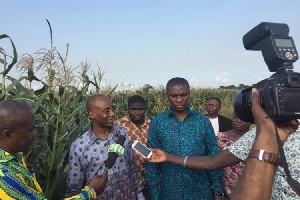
(178,98)
(112,113)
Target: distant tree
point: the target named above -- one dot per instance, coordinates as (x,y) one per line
(240,87)
(147,87)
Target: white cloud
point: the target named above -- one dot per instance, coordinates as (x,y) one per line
(223,78)
(257,77)
(193,81)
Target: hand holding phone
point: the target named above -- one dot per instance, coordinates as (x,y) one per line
(142,149)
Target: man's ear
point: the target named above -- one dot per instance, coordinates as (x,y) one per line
(91,115)
(7,134)
(219,109)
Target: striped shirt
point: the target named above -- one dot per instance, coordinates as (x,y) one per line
(17,182)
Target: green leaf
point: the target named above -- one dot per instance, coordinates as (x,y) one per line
(41,91)
(31,77)
(95,81)
(39,102)
(61,90)
(15,57)
(30,72)
(14,83)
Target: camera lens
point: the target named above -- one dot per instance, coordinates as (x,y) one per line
(242,105)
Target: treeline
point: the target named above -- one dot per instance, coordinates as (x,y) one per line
(240,87)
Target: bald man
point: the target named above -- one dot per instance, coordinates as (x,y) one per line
(88,153)
(17,131)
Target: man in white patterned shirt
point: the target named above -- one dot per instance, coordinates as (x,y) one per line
(281,189)
(239,151)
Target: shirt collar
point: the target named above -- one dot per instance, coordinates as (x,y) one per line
(5,156)
(92,136)
(143,125)
(170,113)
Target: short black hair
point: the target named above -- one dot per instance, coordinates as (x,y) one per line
(136,99)
(177,81)
(10,113)
(216,98)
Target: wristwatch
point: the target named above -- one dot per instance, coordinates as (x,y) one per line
(265,156)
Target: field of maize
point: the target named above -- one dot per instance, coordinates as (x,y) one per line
(59,106)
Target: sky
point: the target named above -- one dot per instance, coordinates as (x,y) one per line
(149,42)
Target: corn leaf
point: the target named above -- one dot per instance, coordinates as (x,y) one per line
(15,55)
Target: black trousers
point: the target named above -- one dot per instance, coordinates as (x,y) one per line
(147,193)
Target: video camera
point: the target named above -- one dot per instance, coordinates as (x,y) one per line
(280,94)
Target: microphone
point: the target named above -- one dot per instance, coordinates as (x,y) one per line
(112,156)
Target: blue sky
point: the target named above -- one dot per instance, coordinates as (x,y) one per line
(148,42)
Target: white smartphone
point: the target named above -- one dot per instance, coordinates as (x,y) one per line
(142,149)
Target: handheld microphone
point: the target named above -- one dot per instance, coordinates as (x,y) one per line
(112,156)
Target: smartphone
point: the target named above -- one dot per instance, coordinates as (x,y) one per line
(142,149)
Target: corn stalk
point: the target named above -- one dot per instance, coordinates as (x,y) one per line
(6,68)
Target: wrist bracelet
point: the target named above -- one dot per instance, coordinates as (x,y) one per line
(184,161)
(220,194)
(92,191)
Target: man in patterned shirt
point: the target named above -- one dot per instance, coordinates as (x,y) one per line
(239,151)
(89,151)
(137,125)
(262,162)
(185,132)
(17,131)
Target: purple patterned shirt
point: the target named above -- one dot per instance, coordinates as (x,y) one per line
(87,156)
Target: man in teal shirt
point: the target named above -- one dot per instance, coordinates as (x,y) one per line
(184,132)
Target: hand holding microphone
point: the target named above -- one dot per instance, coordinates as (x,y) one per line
(98,183)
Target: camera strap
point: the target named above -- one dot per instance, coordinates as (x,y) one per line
(295,185)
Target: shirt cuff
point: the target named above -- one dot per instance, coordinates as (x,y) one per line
(140,196)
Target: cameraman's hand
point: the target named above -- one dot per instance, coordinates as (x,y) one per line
(257,173)
(158,156)
(98,183)
(265,125)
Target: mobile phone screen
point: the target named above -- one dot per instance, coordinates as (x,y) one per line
(142,149)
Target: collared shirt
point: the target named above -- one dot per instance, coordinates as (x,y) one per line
(194,136)
(137,133)
(281,189)
(87,156)
(17,182)
(215,124)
